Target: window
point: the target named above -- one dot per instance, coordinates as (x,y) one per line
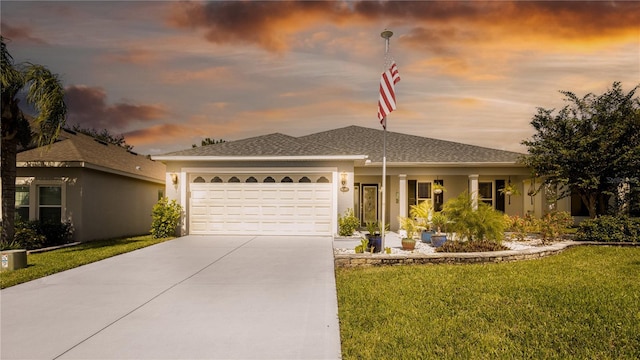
(22,202)
(485,192)
(50,204)
(424,191)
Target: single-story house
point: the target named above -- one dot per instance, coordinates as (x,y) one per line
(280,184)
(103,189)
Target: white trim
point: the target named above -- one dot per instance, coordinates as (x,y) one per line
(257,158)
(258,170)
(86,165)
(446,164)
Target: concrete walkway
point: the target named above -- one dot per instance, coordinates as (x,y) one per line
(196,297)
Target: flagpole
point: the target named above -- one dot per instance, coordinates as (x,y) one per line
(386,35)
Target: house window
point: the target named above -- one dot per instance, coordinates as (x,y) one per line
(485,192)
(50,204)
(22,202)
(424,191)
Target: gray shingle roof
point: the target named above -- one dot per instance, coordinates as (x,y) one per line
(355,140)
(267,145)
(403,148)
(76,147)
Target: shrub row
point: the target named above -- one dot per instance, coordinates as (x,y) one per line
(32,235)
(609,229)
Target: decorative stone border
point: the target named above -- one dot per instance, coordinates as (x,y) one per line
(367,260)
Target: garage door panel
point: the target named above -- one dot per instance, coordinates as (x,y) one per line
(261,208)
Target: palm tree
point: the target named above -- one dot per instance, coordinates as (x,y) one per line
(45,93)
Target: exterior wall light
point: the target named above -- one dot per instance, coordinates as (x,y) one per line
(174,178)
(343,182)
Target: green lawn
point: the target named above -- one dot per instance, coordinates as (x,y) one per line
(47,263)
(581,304)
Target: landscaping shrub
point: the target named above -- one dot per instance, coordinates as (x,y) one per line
(347,223)
(28,238)
(483,223)
(56,234)
(166,217)
(471,246)
(608,228)
(522,226)
(555,224)
(35,234)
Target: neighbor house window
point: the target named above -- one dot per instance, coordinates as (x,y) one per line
(485,192)
(50,204)
(22,202)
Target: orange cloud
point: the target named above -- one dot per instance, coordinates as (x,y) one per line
(137,57)
(438,26)
(19,33)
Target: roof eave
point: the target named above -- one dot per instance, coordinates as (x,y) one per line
(257,158)
(449,164)
(86,165)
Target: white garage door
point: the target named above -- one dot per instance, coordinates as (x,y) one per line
(261,204)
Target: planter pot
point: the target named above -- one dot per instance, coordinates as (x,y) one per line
(438,240)
(426,236)
(408,244)
(376,242)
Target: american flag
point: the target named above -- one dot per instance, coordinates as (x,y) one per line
(387,100)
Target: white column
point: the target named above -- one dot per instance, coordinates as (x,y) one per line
(473,190)
(402,194)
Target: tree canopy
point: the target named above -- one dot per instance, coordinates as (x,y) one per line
(590,147)
(208,141)
(45,93)
(104,135)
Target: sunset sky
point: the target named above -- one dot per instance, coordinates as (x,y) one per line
(167,74)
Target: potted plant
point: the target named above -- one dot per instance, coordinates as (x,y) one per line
(438,188)
(422,213)
(509,190)
(439,221)
(409,225)
(374,236)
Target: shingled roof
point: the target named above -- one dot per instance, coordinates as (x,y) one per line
(351,141)
(403,148)
(267,145)
(76,149)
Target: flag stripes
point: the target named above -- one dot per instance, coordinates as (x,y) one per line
(387,99)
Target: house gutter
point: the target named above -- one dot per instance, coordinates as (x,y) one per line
(447,164)
(86,165)
(257,158)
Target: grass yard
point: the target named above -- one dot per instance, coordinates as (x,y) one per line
(581,304)
(47,263)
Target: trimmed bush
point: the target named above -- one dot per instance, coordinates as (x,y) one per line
(608,228)
(30,239)
(166,217)
(470,246)
(32,235)
(347,223)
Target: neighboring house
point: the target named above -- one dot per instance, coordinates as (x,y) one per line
(104,190)
(279,184)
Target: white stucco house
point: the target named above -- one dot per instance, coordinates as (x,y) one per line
(280,184)
(103,189)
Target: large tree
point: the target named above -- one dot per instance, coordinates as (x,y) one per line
(590,147)
(44,92)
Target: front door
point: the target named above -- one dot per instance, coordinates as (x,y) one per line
(369,203)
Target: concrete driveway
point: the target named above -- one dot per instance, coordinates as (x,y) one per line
(196,297)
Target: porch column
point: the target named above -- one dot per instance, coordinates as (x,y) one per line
(402,194)
(473,190)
